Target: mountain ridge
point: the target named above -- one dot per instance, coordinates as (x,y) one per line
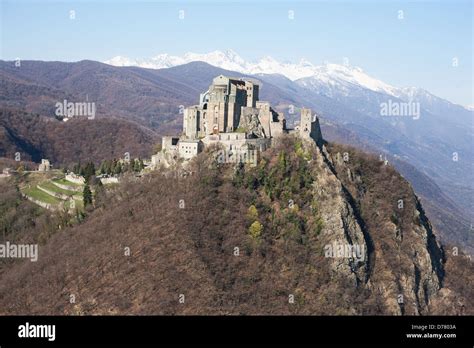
(230,60)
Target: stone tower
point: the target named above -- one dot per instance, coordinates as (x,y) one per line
(191,122)
(309,127)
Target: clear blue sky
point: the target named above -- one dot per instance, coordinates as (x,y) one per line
(415,51)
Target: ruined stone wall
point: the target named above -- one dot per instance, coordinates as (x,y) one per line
(265,116)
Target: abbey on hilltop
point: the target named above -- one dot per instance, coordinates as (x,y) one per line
(231,114)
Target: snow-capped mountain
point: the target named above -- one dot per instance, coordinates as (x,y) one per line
(226,60)
(331,80)
(327,74)
(160,61)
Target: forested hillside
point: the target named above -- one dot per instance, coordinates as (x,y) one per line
(225,239)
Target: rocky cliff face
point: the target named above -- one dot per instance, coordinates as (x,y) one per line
(405,261)
(342,233)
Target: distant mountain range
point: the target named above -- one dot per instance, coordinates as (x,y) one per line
(328,77)
(434,151)
(331,74)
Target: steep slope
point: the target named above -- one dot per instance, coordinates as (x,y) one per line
(450,224)
(241,240)
(433,139)
(398,227)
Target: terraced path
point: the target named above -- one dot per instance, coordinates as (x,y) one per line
(54,194)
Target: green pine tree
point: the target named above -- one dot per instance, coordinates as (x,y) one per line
(87,195)
(89,171)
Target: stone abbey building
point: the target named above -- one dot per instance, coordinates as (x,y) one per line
(231,114)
